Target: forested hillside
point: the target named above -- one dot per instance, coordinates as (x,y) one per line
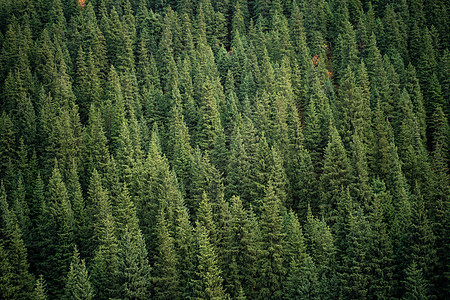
(232,149)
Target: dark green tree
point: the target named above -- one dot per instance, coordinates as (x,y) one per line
(56,234)
(40,291)
(208,280)
(166,276)
(337,173)
(302,281)
(271,268)
(77,282)
(320,245)
(104,266)
(17,280)
(415,285)
(133,266)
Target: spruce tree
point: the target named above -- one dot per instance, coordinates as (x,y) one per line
(271,268)
(184,243)
(337,173)
(209,123)
(56,234)
(380,251)
(208,280)
(40,292)
(320,245)
(104,266)
(133,267)
(239,251)
(415,285)
(16,277)
(77,282)
(302,281)
(166,277)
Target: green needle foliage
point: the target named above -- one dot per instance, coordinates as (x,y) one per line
(234,149)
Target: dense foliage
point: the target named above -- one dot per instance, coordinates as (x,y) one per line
(233,149)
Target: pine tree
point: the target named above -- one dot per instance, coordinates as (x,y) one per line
(317,122)
(56,234)
(96,154)
(166,277)
(298,37)
(7,146)
(208,280)
(361,171)
(79,208)
(353,265)
(295,245)
(16,277)
(380,252)
(415,93)
(180,150)
(239,251)
(349,96)
(104,266)
(40,292)
(184,243)
(159,189)
(271,269)
(209,123)
(321,247)
(133,266)
(307,188)
(77,282)
(238,167)
(302,281)
(415,285)
(336,174)
(204,217)
(6,287)
(420,241)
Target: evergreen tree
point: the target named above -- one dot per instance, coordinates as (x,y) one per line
(40,292)
(337,173)
(166,277)
(239,251)
(56,234)
(209,123)
(271,269)
(96,154)
(353,269)
(415,285)
(208,280)
(105,262)
(238,167)
(420,241)
(380,252)
(77,282)
(17,280)
(184,243)
(133,266)
(321,247)
(317,122)
(302,281)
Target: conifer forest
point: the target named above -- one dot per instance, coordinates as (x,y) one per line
(224,149)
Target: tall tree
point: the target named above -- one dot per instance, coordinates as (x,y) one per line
(337,173)
(133,266)
(271,268)
(77,282)
(17,280)
(56,234)
(208,280)
(166,277)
